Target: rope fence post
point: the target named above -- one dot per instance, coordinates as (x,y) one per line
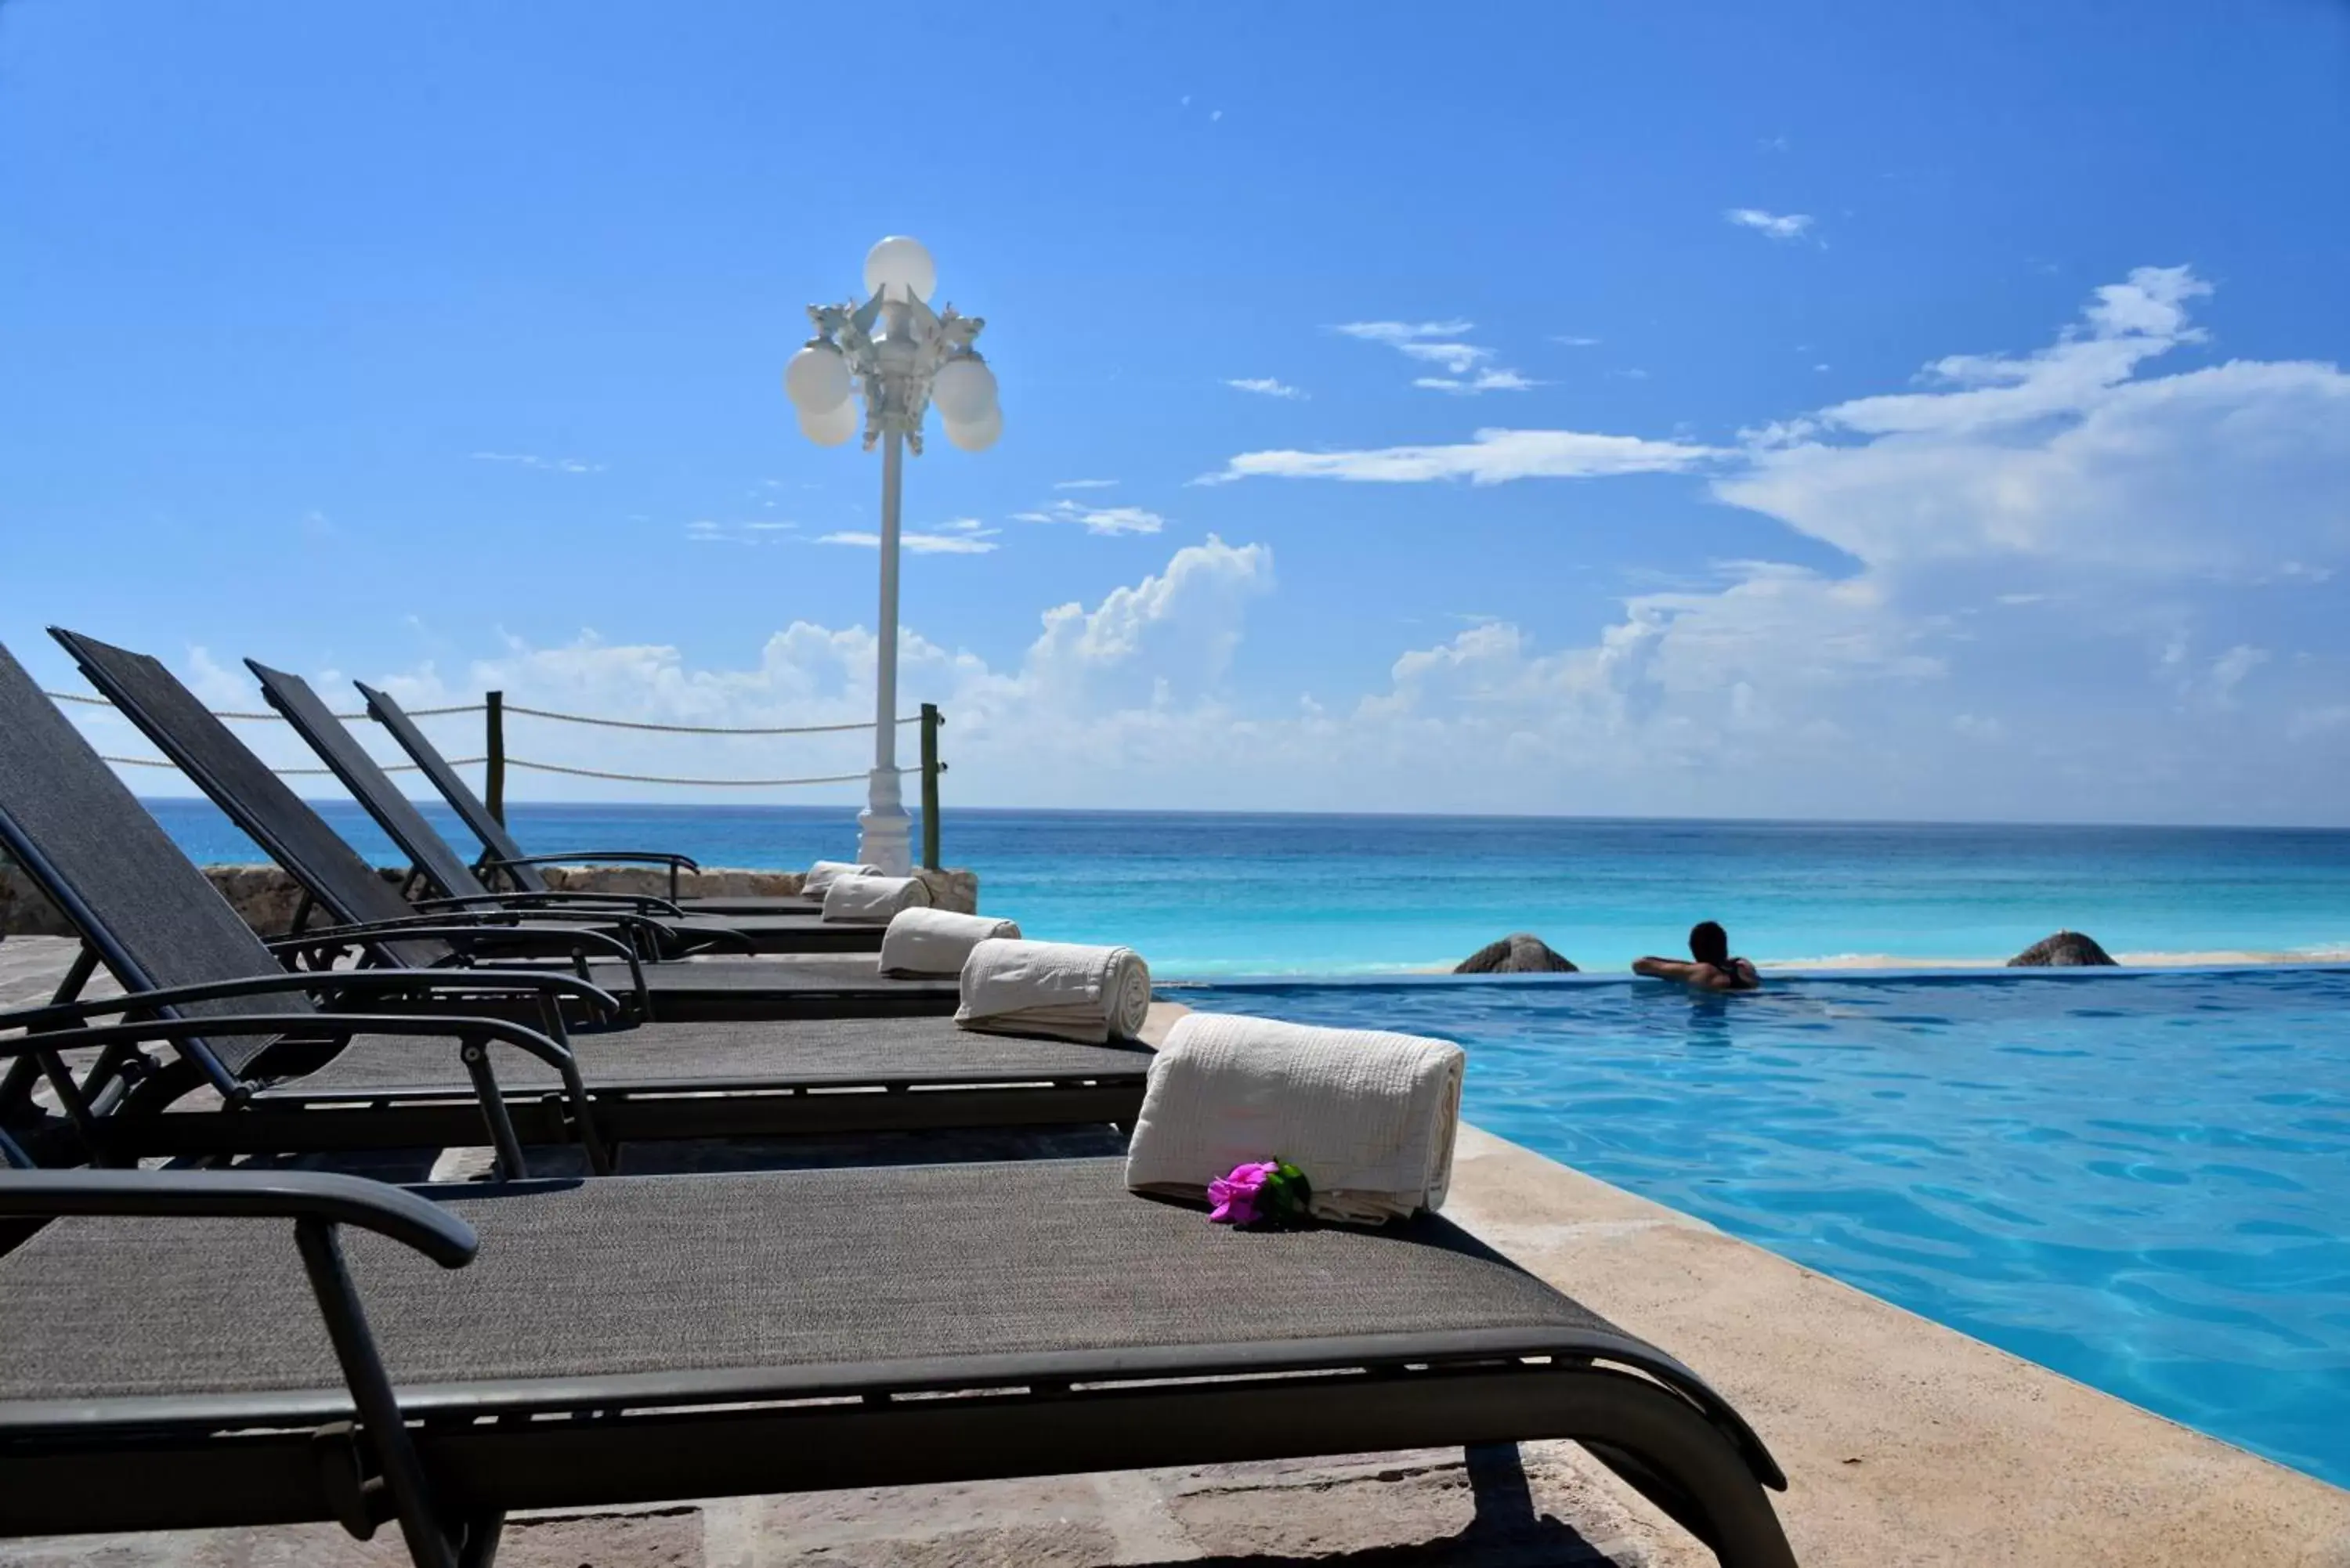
(494,719)
(931,768)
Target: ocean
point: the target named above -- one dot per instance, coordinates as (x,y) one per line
(1206,894)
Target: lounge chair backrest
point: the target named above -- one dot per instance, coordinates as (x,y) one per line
(430,853)
(241,785)
(107,865)
(453,789)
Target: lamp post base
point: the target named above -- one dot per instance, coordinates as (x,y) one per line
(883,829)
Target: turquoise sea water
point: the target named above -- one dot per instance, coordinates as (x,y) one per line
(2140,1180)
(1211,894)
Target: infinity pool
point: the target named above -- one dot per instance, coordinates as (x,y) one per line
(2141,1181)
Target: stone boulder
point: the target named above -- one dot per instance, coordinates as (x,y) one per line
(2065,950)
(25,909)
(1517,953)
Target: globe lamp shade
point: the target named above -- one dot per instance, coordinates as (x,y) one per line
(830,427)
(979,434)
(901,268)
(964,390)
(816,379)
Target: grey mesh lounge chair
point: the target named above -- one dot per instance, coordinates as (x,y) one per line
(171,1364)
(503,856)
(369,912)
(456,884)
(292,1078)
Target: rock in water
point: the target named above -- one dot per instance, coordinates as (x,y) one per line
(2065,950)
(1515,954)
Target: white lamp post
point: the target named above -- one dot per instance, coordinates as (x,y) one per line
(903,356)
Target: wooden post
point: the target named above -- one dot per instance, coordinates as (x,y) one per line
(494,767)
(931,768)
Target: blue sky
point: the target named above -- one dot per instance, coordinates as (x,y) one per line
(1906,411)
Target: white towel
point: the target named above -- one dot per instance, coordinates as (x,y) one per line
(824,873)
(872,900)
(936,941)
(1065,990)
(1370,1117)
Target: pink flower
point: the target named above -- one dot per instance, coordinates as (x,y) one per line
(1236,1196)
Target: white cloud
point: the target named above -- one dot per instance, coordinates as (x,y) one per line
(1459,358)
(1494,457)
(1396,333)
(1435,343)
(1096,519)
(1129,691)
(1266,386)
(1085,484)
(1779,226)
(2228,670)
(1569,341)
(1483,381)
(2309,722)
(2069,455)
(763,531)
(962,537)
(532,460)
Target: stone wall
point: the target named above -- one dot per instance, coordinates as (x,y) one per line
(268,897)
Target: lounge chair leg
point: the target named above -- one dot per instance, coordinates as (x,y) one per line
(1688,1467)
(1497,1481)
(481,1542)
(475,1054)
(575,1088)
(382,1428)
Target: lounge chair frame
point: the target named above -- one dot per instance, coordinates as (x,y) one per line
(448,1463)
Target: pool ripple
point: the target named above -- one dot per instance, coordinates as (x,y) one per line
(2140,1180)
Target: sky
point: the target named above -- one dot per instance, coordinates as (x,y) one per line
(1812,410)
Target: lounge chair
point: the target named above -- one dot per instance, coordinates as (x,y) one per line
(455,883)
(365,911)
(502,855)
(646,1339)
(291,1077)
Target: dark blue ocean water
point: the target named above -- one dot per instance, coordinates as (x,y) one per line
(1207,894)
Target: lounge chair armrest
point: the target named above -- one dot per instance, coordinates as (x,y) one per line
(676,862)
(497,922)
(640,903)
(361,931)
(375,1206)
(616,857)
(315,983)
(447,929)
(302,1024)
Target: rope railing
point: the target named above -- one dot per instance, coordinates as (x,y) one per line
(704,783)
(701,728)
(496,762)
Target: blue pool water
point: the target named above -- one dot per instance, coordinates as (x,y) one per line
(1207,893)
(2142,1181)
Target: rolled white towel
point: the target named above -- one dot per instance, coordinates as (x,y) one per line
(873,901)
(824,873)
(937,942)
(1065,990)
(1370,1117)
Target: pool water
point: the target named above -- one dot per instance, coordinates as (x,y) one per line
(2141,1181)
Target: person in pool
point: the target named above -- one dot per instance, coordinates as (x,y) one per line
(1712,967)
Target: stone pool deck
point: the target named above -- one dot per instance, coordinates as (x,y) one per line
(1907,1443)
